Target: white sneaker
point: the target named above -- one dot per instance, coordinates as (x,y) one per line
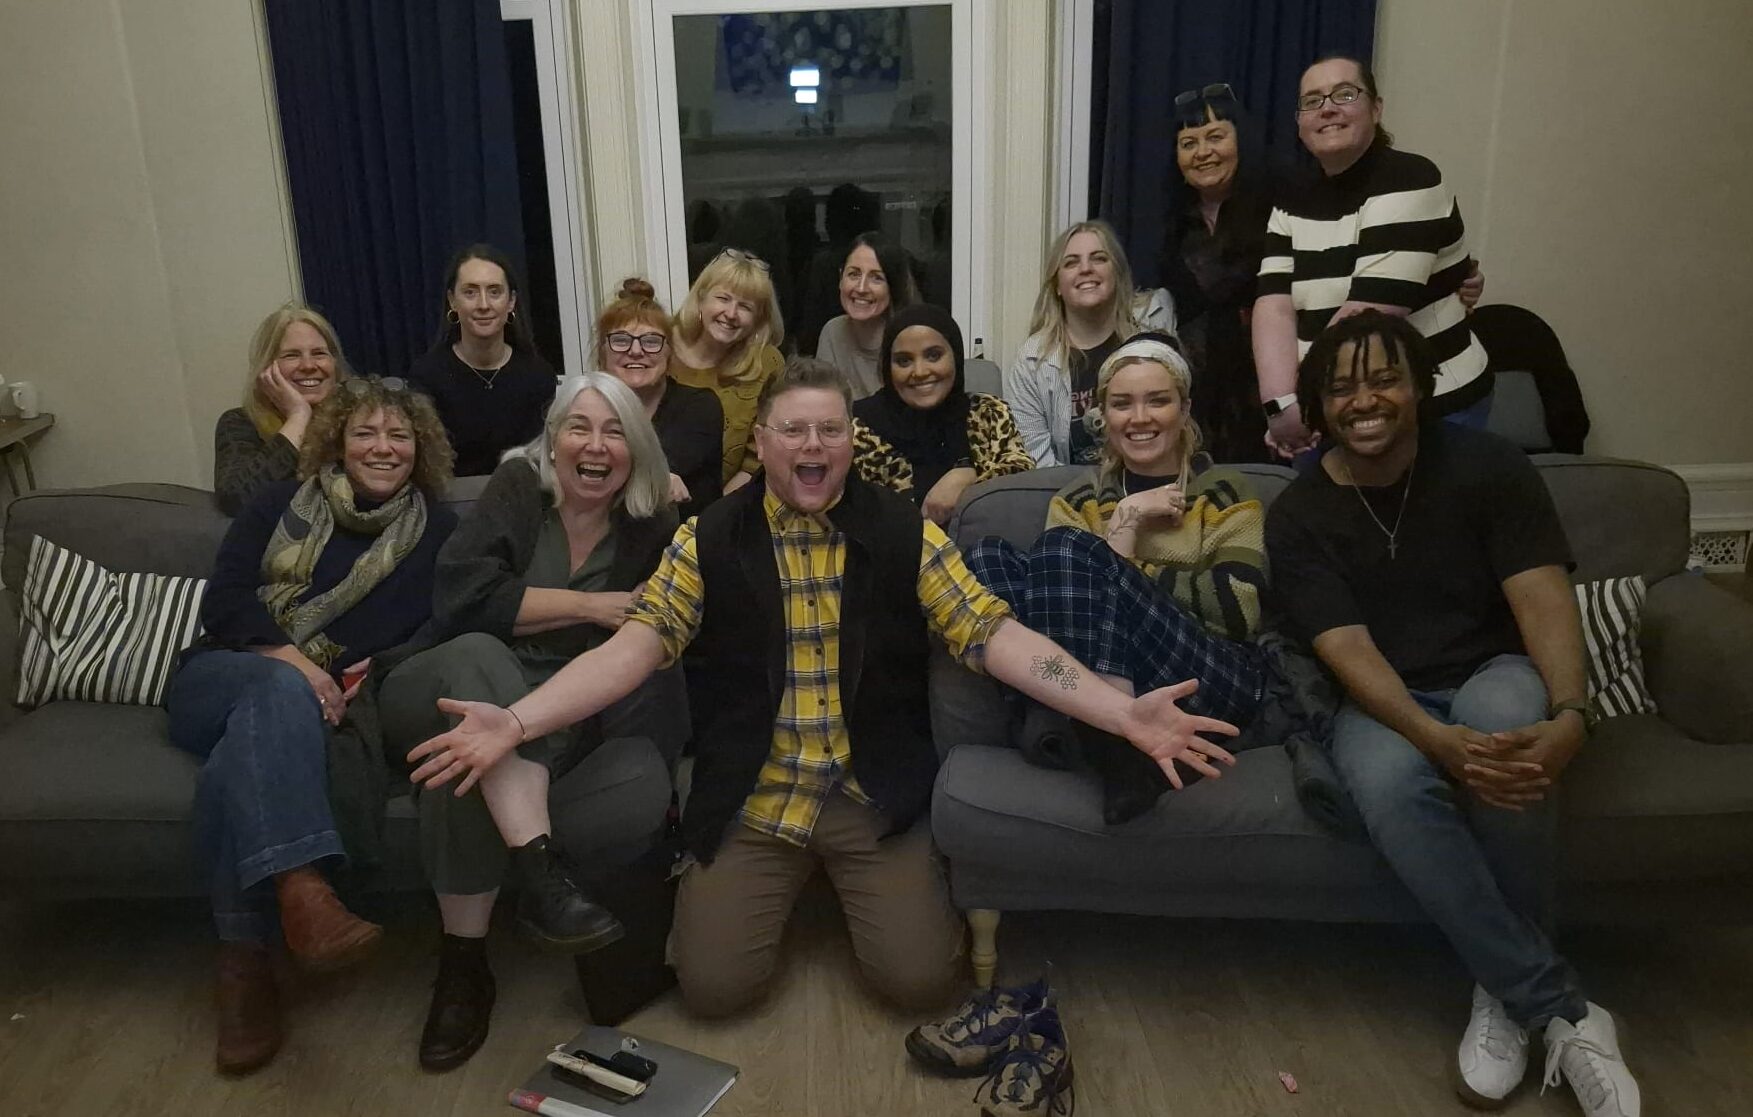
(1493,1056)
(1587,1056)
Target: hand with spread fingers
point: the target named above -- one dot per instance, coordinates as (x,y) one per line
(483,738)
(1156,725)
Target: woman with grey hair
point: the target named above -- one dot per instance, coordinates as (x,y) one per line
(541,569)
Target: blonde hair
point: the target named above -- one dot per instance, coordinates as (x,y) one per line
(648,482)
(745,279)
(1048,321)
(265,345)
(1143,351)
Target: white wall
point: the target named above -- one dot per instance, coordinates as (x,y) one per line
(1600,151)
(140,223)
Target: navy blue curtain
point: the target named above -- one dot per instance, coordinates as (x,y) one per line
(400,149)
(1146,51)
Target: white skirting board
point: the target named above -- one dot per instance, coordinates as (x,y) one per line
(1722,513)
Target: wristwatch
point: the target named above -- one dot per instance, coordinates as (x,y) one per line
(1278,405)
(1581,707)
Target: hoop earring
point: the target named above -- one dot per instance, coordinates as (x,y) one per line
(452,316)
(510,315)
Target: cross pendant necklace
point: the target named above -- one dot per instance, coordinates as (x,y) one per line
(1393,536)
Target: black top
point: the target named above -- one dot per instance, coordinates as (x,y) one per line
(244,463)
(1086,448)
(932,441)
(485,422)
(234,617)
(1477,514)
(690,428)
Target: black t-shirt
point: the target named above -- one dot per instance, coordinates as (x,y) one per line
(1477,514)
(1086,448)
(483,422)
(690,428)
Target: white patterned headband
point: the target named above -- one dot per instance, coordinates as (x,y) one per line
(1147,349)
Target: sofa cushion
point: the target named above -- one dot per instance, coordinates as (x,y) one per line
(94,761)
(1612,616)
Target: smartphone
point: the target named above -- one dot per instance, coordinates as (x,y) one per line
(636,1067)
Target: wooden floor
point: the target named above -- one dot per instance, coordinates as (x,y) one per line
(104,1009)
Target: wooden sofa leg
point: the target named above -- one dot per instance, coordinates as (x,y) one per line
(983,927)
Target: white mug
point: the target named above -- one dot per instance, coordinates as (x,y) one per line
(24,398)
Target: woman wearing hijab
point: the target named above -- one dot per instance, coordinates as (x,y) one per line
(922,433)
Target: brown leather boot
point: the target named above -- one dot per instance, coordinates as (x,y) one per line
(248,1006)
(320,932)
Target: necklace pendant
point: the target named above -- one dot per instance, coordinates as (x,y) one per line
(1393,549)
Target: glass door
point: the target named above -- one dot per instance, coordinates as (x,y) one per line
(787,131)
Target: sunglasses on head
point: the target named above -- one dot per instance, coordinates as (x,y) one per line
(360,385)
(746,257)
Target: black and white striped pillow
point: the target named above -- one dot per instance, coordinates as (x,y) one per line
(1612,619)
(92,635)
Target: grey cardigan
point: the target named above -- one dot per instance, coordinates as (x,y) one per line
(1039,391)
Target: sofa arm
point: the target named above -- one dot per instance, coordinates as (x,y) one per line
(8,660)
(1698,658)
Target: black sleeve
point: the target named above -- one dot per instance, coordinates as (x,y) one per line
(693,441)
(244,463)
(478,585)
(231,613)
(1307,584)
(1516,513)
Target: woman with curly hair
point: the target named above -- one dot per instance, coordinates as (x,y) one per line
(314,579)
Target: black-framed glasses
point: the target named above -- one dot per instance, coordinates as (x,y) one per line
(1342,94)
(746,257)
(360,385)
(792,435)
(1216,91)
(622,342)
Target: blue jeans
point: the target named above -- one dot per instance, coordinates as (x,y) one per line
(1483,874)
(262,803)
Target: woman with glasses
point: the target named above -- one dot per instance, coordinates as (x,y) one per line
(1213,233)
(1086,308)
(633,343)
(923,434)
(876,280)
(315,581)
(1376,229)
(727,339)
(484,374)
(295,363)
(541,570)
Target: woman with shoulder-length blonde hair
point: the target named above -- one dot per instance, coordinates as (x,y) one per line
(541,570)
(295,363)
(727,337)
(1085,308)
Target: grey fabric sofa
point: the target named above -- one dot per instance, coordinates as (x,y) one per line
(1665,798)
(95,801)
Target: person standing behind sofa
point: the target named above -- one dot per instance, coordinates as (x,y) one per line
(295,363)
(483,373)
(633,344)
(726,338)
(541,570)
(1466,694)
(314,579)
(1377,228)
(875,281)
(1086,307)
(923,435)
(814,738)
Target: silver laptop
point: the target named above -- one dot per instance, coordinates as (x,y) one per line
(685,1085)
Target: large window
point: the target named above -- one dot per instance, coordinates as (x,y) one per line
(787,130)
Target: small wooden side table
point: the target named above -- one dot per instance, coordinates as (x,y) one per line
(15,436)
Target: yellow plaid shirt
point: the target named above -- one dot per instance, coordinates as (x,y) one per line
(812,753)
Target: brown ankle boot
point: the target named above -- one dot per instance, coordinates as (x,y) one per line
(248,1006)
(320,932)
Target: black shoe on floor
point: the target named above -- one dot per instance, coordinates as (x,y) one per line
(462,1004)
(552,908)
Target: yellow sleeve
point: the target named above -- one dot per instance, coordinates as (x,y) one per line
(675,596)
(958,609)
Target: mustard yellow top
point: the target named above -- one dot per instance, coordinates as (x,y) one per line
(738,397)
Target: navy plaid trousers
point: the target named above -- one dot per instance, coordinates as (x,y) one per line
(1072,588)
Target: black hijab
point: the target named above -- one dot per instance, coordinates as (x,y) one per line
(932,441)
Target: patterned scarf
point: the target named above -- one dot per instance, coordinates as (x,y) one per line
(290,560)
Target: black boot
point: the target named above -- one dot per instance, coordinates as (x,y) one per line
(462,1004)
(1132,782)
(552,908)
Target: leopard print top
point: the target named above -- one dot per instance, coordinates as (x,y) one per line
(993,441)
